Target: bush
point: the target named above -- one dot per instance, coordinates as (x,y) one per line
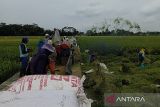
(125,60)
(155,51)
(125,68)
(147,60)
(157,81)
(133,59)
(85,57)
(156,63)
(118,82)
(125,82)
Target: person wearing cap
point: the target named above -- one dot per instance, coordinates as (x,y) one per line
(47,40)
(40,62)
(24,55)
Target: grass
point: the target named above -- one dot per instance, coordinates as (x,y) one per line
(140,80)
(9,55)
(116,45)
(121,41)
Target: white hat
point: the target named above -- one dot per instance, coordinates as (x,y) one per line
(46,35)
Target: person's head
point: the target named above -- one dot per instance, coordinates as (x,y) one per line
(142,49)
(67,39)
(50,41)
(64,37)
(25,40)
(50,37)
(47,36)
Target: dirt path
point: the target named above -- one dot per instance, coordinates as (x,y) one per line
(76,70)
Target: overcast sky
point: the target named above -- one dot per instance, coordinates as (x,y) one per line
(80,13)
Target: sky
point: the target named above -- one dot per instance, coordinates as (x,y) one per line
(81,14)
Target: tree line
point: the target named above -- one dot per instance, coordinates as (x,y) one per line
(32,30)
(119,27)
(20,30)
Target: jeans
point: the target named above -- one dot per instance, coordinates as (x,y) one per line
(24,64)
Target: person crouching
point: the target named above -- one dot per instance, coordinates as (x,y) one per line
(40,62)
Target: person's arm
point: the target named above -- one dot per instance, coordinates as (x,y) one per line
(55,53)
(29,50)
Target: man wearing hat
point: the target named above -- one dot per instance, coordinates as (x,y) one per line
(24,55)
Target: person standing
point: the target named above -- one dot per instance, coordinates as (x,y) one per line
(70,62)
(141,56)
(24,55)
(65,52)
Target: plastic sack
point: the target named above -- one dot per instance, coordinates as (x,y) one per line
(44,98)
(45,82)
(46,91)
